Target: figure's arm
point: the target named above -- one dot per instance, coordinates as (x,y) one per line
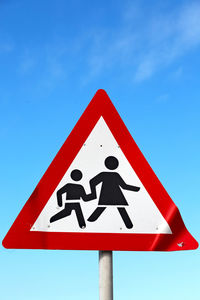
(88,197)
(93,183)
(59,194)
(127,186)
(93,195)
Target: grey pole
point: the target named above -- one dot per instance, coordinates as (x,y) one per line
(105,275)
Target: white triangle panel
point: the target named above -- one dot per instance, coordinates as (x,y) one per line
(144,214)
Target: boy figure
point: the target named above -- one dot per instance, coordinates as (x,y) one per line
(73,191)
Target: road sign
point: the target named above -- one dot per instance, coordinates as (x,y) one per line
(99,193)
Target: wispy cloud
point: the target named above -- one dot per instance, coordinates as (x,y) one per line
(27,64)
(44,64)
(141,44)
(177,73)
(6,47)
(173,35)
(145,45)
(163,98)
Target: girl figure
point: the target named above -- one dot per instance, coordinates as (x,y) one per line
(111,193)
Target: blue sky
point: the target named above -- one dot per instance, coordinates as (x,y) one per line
(54,56)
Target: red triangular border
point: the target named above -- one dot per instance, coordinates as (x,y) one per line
(20,236)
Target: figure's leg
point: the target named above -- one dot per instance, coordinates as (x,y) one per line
(94,216)
(79,215)
(125,217)
(62,214)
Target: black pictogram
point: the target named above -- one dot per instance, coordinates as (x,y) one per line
(111,193)
(73,192)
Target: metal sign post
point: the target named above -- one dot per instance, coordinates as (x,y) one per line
(105,275)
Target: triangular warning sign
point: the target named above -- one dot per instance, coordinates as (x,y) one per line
(100,193)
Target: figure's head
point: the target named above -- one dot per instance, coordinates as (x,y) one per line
(111,163)
(76,175)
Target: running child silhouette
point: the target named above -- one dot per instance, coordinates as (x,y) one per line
(74,192)
(111,193)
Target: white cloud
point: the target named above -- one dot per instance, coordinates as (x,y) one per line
(163,98)
(177,73)
(144,43)
(172,35)
(189,24)
(27,65)
(145,69)
(6,47)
